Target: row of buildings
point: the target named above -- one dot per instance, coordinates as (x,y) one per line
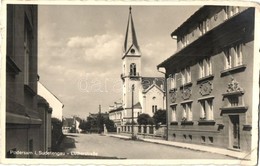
(29,105)
(211,90)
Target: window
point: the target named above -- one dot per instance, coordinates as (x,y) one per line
(186,75)
(202,72)
(233,101)
(187,113)
(233,56)
(238,55)
(231,11)
(173,117)
(184,41)
(206,111)
(204,26)
(172,81)
(154,108)
(228,59)
(132,69)
(211,140)
(27,50)
(205,67)
(203,139)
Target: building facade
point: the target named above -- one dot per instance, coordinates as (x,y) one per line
(145,94)
(23,122)
(54,102)
(209,78)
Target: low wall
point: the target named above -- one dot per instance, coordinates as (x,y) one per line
(143,130)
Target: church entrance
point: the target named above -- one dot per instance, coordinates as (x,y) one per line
(234,131)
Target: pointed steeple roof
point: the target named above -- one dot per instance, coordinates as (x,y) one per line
(130,37)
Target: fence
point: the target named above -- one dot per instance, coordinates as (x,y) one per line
(144,130)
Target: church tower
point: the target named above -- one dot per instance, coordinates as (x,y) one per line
(131,66)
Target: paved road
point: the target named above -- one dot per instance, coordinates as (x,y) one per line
(121,148)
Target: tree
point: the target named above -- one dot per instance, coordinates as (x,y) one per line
(56,133)
(145,119)
(85,125)
(110,125)
(160,117)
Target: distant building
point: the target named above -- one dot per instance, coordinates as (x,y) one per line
(71,125)
(54,102)
(67,125)
(23,121)
(210,78)
(148,95)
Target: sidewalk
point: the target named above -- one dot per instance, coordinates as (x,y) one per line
(230,153)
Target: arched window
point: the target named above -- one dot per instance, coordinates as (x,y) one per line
(132,69)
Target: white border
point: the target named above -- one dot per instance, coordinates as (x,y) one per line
(255,87)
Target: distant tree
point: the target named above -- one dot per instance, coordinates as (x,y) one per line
(160,117)
(145,119)
(110,125)
(85,125)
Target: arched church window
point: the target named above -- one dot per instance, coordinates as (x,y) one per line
(132,69)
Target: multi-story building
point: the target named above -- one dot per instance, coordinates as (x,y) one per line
(146,93)
(54,102)
(210,78)
(23,122)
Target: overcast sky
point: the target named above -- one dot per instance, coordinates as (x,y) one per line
(80,50)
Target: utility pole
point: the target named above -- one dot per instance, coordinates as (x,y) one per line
(99,118)
(133,88)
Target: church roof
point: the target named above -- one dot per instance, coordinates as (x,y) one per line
(117,109)
(149,81)
(130,37)
(138,105)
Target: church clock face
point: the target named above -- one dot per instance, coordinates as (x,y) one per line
(132,51)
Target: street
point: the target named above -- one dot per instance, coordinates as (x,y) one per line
(128,149)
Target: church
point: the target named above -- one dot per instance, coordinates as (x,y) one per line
(145,94)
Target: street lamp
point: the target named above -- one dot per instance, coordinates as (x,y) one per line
(133,88)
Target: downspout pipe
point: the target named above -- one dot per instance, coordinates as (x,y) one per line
(165,94)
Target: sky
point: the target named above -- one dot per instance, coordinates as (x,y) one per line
(80,50)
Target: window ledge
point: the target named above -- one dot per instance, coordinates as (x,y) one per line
(233,70)
(29,89)
(173,89)
(233,93)
(205,78)
(174,123)
(187,123)
(186,85)
(173,104)
(12,66)
(206,122)
(237,109)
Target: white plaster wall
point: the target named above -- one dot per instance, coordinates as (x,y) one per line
(149,101)
(54,103)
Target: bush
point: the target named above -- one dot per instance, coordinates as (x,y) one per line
(159,117)
(110,125)
(56,134)
(145,119)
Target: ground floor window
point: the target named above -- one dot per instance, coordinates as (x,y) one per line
(187,112)
(206,109)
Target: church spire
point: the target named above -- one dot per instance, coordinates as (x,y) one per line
(130,37)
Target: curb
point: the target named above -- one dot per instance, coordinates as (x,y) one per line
(230,153)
